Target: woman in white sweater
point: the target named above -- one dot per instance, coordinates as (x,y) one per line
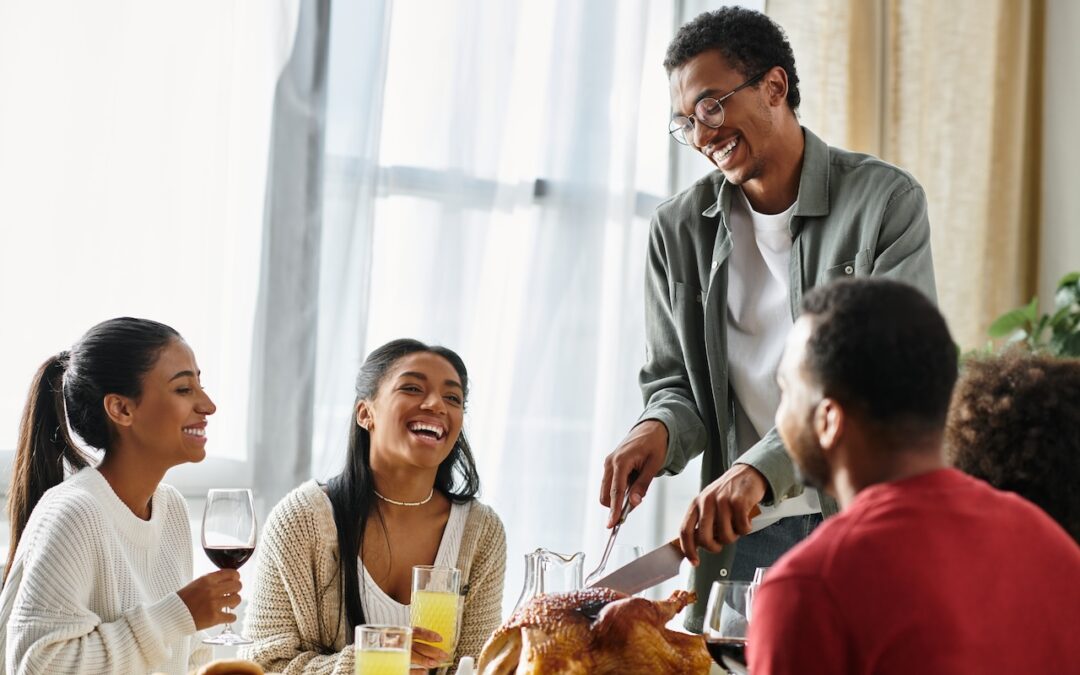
(339,555)
(98,578)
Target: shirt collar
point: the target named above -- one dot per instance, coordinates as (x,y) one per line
(813,182)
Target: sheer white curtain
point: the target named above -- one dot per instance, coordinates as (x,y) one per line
(133,149)
(489,189)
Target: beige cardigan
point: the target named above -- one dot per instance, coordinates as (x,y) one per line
(297,582)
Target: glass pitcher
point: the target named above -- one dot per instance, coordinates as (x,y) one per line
(550,572)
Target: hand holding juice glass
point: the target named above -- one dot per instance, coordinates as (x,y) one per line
(436,604)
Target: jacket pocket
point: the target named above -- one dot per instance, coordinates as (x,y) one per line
(864,262)
(842,271)
(688,312)
(686,295)
(859,266)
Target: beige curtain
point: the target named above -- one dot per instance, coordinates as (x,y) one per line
(951,92)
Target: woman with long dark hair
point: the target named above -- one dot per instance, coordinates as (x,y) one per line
(339,555)
(98,578)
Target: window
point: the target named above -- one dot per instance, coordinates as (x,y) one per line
(131,183)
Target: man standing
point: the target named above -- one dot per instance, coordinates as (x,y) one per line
(729,259)
(926,570)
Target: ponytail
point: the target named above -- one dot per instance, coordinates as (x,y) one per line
(44,445)
(68,390)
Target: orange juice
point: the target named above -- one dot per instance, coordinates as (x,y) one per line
(382,662)
(437,611)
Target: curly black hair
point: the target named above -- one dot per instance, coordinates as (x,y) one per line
(1015,423)
(881,347)
(750,42)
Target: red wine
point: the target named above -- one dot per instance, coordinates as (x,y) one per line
(229,557)
(727,652)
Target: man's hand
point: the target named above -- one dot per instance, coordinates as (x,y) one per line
(722,512)
(642,451)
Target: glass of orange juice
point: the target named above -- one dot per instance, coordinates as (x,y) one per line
(436,603)
(383,650)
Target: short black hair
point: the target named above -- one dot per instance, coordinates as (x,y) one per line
(1015,423)
(883,348)
(749,41)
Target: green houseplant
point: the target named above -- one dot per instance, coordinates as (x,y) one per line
(1057,334)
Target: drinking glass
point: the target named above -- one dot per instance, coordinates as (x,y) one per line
(382,650)
(726,624)
(436,603)
(622,554)
(228,537)
(759,577)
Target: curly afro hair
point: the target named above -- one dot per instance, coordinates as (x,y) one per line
(1015,423)
(749,41)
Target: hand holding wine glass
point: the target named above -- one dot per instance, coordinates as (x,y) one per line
(228,537)
(209,596)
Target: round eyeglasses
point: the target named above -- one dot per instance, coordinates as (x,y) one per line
(707,111)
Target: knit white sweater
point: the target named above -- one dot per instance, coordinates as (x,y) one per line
(92,588)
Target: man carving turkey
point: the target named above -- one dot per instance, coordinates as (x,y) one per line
(728,261)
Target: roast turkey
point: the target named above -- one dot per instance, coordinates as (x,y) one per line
(594,631)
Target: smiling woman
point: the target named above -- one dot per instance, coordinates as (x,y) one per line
(406,498)
(100,564)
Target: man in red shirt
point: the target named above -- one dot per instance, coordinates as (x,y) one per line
(925,570)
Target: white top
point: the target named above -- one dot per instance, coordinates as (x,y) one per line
(759,320)
(93,587)
(380,608)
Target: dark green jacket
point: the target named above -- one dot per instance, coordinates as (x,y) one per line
(856,216)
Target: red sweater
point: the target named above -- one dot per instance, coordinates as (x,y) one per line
(937,575)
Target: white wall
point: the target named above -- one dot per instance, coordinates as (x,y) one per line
(1059,247)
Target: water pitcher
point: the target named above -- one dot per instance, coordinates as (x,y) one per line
(550,572)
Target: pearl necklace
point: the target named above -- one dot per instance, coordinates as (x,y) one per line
(395,502)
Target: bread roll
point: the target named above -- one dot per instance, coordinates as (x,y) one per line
(230,667)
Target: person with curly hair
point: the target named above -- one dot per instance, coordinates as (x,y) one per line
(1015,423)
(729,259)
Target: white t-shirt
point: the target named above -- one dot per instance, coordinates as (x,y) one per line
(759,319)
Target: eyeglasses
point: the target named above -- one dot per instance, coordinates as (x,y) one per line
(708,111)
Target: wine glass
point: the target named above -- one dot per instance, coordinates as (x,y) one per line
(759,578)
(726,624)
(228,537)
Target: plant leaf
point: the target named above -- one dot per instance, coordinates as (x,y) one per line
(1068,291)
(1058,317)
(1031,310)
(1065,345)
(1009,322)
(1040,327)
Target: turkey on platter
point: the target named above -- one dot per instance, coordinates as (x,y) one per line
(595,631)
